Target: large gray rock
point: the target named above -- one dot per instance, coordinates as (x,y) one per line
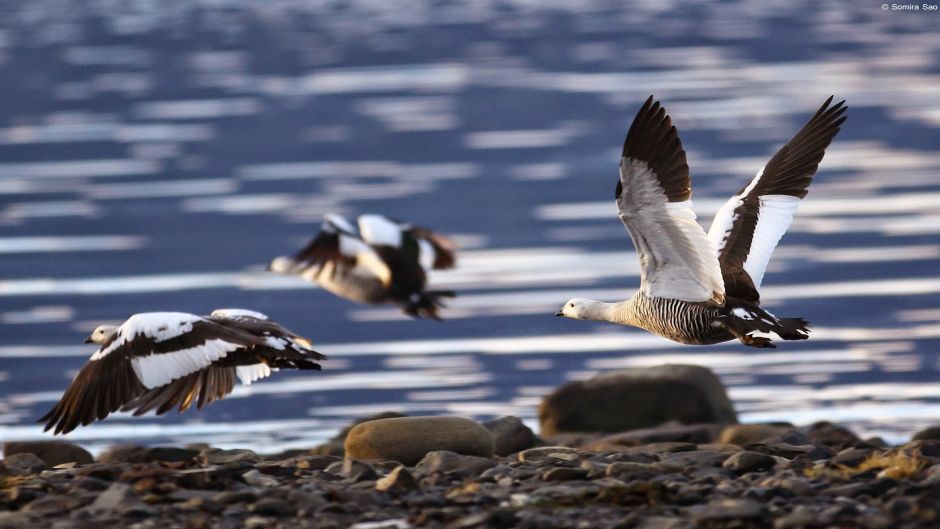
(510,435)
(636,398)
(408,439)
(52,452)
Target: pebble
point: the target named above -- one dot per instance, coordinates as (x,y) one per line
(398,480)
(23,464)
(744,462)
(446,462)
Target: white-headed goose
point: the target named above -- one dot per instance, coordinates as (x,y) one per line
(164,360)
(697,288)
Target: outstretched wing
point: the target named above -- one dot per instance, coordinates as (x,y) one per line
(432,250)
(337,249)
(654,198)
(147,352)
(748,226)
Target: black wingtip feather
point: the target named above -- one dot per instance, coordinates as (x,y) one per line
(654,140)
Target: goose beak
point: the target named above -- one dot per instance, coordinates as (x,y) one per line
(559,313)
(87,340)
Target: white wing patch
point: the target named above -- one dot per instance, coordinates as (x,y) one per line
(426,254)
(676,259)
(249,374)
(776,214)
(378,230)
(156,370)
(237,313)
(158,325)
(339,223)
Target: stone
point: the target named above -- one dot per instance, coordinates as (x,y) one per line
(627,470)
(335,446)
(564,473)
(510,435)
(398,480)
(256,478)
(272,507)
(831,435)
(24,464)
(554,455)
(683,433)
(635,398)
(743,434)
(408,439)
(353,470)
(120,498)
(851,457)
(52,452)
(442,461)
(745,462)
(216,456)
(147,454)
(729,509)
(931,433)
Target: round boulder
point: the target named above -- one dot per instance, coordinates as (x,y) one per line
(634,398)
(408,439)
(51,452)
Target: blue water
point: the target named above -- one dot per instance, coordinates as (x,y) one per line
(154,156)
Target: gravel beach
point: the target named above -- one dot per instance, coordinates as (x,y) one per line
(455,473)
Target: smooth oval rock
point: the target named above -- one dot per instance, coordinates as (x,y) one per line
(52,452)
(743,434)
(687,394)
(408,439)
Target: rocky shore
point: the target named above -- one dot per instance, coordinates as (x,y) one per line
(400,472)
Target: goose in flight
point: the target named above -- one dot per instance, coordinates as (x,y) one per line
(383,261)
(164,360)
(698,288)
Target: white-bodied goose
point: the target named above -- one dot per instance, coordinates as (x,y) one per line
(383,261)
(166,359)
(697,288)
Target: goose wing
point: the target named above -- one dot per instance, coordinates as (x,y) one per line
(337,248)
(148,351)
(654,198)
(748,226)
(431,250)
(281,348)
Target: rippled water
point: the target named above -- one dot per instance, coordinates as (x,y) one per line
(154,156)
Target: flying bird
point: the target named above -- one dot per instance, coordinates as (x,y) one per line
(381,261)
(164,360)
(697,288)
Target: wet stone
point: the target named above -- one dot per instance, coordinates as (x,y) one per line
(272,507)
(446,462)
(24,464)
(744,462)
(551,455)
(53,453)
(216,456)
(256,478)
(510,435)
(730,509)
(564,474)
(398,480)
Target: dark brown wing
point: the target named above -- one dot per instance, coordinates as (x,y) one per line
(100,388)
(202,387)
(749,225)
(444,248)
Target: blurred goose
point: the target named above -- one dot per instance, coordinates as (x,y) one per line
(383,261)
(166,359)
(697,288)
